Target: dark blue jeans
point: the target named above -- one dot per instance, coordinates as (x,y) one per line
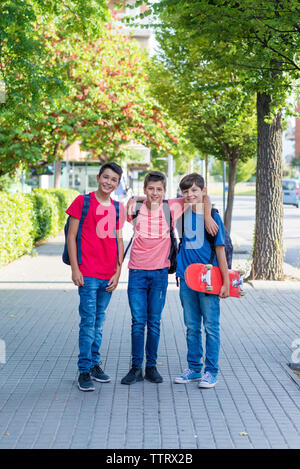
(197,307)
(94,300)
(147,295)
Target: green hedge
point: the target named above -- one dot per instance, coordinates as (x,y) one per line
(28,218)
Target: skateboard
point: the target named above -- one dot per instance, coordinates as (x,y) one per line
(208,279)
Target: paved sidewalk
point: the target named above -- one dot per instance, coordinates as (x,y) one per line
(256,403)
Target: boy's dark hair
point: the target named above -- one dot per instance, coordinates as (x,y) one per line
(155,176)
(194,178)
(113,166)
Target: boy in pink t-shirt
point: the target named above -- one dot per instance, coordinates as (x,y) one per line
(98,274)
(148,274)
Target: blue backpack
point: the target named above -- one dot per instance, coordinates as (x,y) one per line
(85,209)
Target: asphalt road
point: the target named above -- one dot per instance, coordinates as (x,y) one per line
(243,225)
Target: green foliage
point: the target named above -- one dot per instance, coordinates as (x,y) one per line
(23,55)
(46,214)
(244,171)
(257,40)
(64,198)
(296,161)
(28,218)
(16,227)
(105,102)
(5,182)
(49,210)
(216,114)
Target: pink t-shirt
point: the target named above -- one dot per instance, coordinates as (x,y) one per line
(98,239)
(151,245)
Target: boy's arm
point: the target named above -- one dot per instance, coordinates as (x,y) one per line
(210,224)
(77,277)
(222,263)
(112,284)
(130,209)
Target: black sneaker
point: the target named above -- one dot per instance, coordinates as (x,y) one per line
(153,375)
(98,374)
(85,383)
(134,375)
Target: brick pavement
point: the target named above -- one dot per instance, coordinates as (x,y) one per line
(256,403)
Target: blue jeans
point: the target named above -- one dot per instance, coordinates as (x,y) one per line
(147,295)
(198,306)
(94,300)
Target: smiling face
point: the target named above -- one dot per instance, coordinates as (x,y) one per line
(108,181)
(193,195)
(154,192)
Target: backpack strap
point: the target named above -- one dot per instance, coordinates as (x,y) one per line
(84,212)
(117,208)
(168,216)
(180,229)
(211,238)
(134,221)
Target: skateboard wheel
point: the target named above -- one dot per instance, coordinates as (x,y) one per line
(208,266)
(242,293)
(209,288)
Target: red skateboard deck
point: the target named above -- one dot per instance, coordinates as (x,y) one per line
(208,279)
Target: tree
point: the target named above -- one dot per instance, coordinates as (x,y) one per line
(23,52)
(106,103)
(218,121)
(259,42)
(28,73)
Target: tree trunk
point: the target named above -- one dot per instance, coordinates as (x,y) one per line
(232,164)
(268,242)
(57,175)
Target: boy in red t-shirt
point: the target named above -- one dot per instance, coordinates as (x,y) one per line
(98,275)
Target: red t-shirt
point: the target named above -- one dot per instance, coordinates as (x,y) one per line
(98,239)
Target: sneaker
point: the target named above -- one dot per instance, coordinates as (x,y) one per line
(188,376)
(97,374)
(208,381)
(151,374)
(85,383)
(134,375)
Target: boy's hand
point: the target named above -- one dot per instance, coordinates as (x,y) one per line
(113,283)
(210,225)
(131,207)
(77,278)
(224,293)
